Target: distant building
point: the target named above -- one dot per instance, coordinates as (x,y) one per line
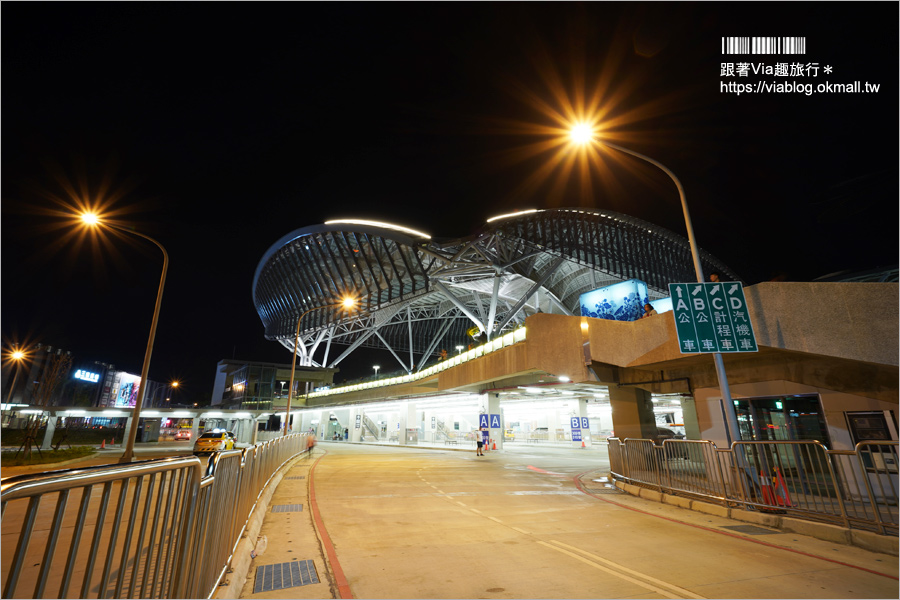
(82,382)
(253,385)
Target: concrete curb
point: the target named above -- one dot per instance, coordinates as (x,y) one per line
(236,576)
(823,531)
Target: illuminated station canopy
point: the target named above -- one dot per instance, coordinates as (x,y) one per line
(417,295)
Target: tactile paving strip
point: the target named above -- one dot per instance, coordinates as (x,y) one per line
(287,508)
(285,575)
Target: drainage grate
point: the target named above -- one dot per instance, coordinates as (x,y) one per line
(287,508)
(285,575)
(749,529)
(297,477)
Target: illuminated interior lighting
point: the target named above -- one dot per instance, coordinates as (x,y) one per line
(149,413)
(378,224)
(515,214)
(213,414)
(564,379)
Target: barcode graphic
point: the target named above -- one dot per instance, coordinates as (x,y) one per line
(763,45)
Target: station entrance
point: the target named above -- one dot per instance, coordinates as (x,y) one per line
(530,416)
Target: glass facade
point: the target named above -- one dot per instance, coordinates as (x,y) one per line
(782,418)
(258,387)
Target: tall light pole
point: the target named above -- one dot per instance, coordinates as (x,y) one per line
(376,367)
(584,134)
(347,303)
(94,221)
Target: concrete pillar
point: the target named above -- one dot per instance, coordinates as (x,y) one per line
(254,431)
(632,412)
(320,426)
(137,436)
(356,425)
(582,415)
(195,427)
(690,420)
(407,421)
(495,419)
(48,434)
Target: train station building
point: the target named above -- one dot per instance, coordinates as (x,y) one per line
(500,331)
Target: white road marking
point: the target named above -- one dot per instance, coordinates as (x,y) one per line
(665,589)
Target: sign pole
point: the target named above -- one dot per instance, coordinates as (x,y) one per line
(730,415)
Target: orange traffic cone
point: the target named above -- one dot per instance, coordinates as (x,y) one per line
(494,446)
(103,444)
(768,494)
(582,444)
(782,496)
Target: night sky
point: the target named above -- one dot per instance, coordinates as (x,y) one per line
(218,128)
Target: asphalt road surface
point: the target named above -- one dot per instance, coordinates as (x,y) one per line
(412,523)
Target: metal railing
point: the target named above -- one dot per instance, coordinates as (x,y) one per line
(153,529)
(854,488)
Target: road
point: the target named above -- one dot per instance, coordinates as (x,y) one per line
(408,523)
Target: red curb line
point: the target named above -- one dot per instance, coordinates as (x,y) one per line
(578,484)
(339,578)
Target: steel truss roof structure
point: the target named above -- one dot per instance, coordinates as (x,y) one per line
(416,296)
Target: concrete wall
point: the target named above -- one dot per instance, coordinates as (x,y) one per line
(855,321)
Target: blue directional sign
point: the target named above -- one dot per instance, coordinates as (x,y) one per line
(585,424)
(483,421)
(495,421)
(712,317)
(576,435)
(576,423)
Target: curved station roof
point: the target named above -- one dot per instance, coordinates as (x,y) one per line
(417,295)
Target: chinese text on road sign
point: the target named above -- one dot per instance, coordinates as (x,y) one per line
(712,317)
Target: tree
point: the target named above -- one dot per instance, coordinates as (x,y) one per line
(56,369)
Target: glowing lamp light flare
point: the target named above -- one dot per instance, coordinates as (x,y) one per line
(582,133)
(90,218)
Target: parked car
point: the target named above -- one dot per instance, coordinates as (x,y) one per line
(509,435)
(183,434)
(213,441)
(540,433)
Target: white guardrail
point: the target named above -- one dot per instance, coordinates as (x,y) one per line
(152,529)
(854,488)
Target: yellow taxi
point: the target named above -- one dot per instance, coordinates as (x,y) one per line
(509,435)
(213,441)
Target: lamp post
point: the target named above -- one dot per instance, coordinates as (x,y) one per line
(459,349)
(93,220)
(347,303)
(584,134)
(17,356)
(376,367)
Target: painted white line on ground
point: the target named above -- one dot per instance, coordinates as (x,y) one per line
(495,519)
(664,588)
(520,530)
(475,510)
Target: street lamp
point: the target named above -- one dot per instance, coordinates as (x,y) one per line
(347,303)
(376,367)
(459,349)
(582,134)
(93,220)
(282,387)
(17,356)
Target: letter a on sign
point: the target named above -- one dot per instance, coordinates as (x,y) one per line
(495,421)
(482,421)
